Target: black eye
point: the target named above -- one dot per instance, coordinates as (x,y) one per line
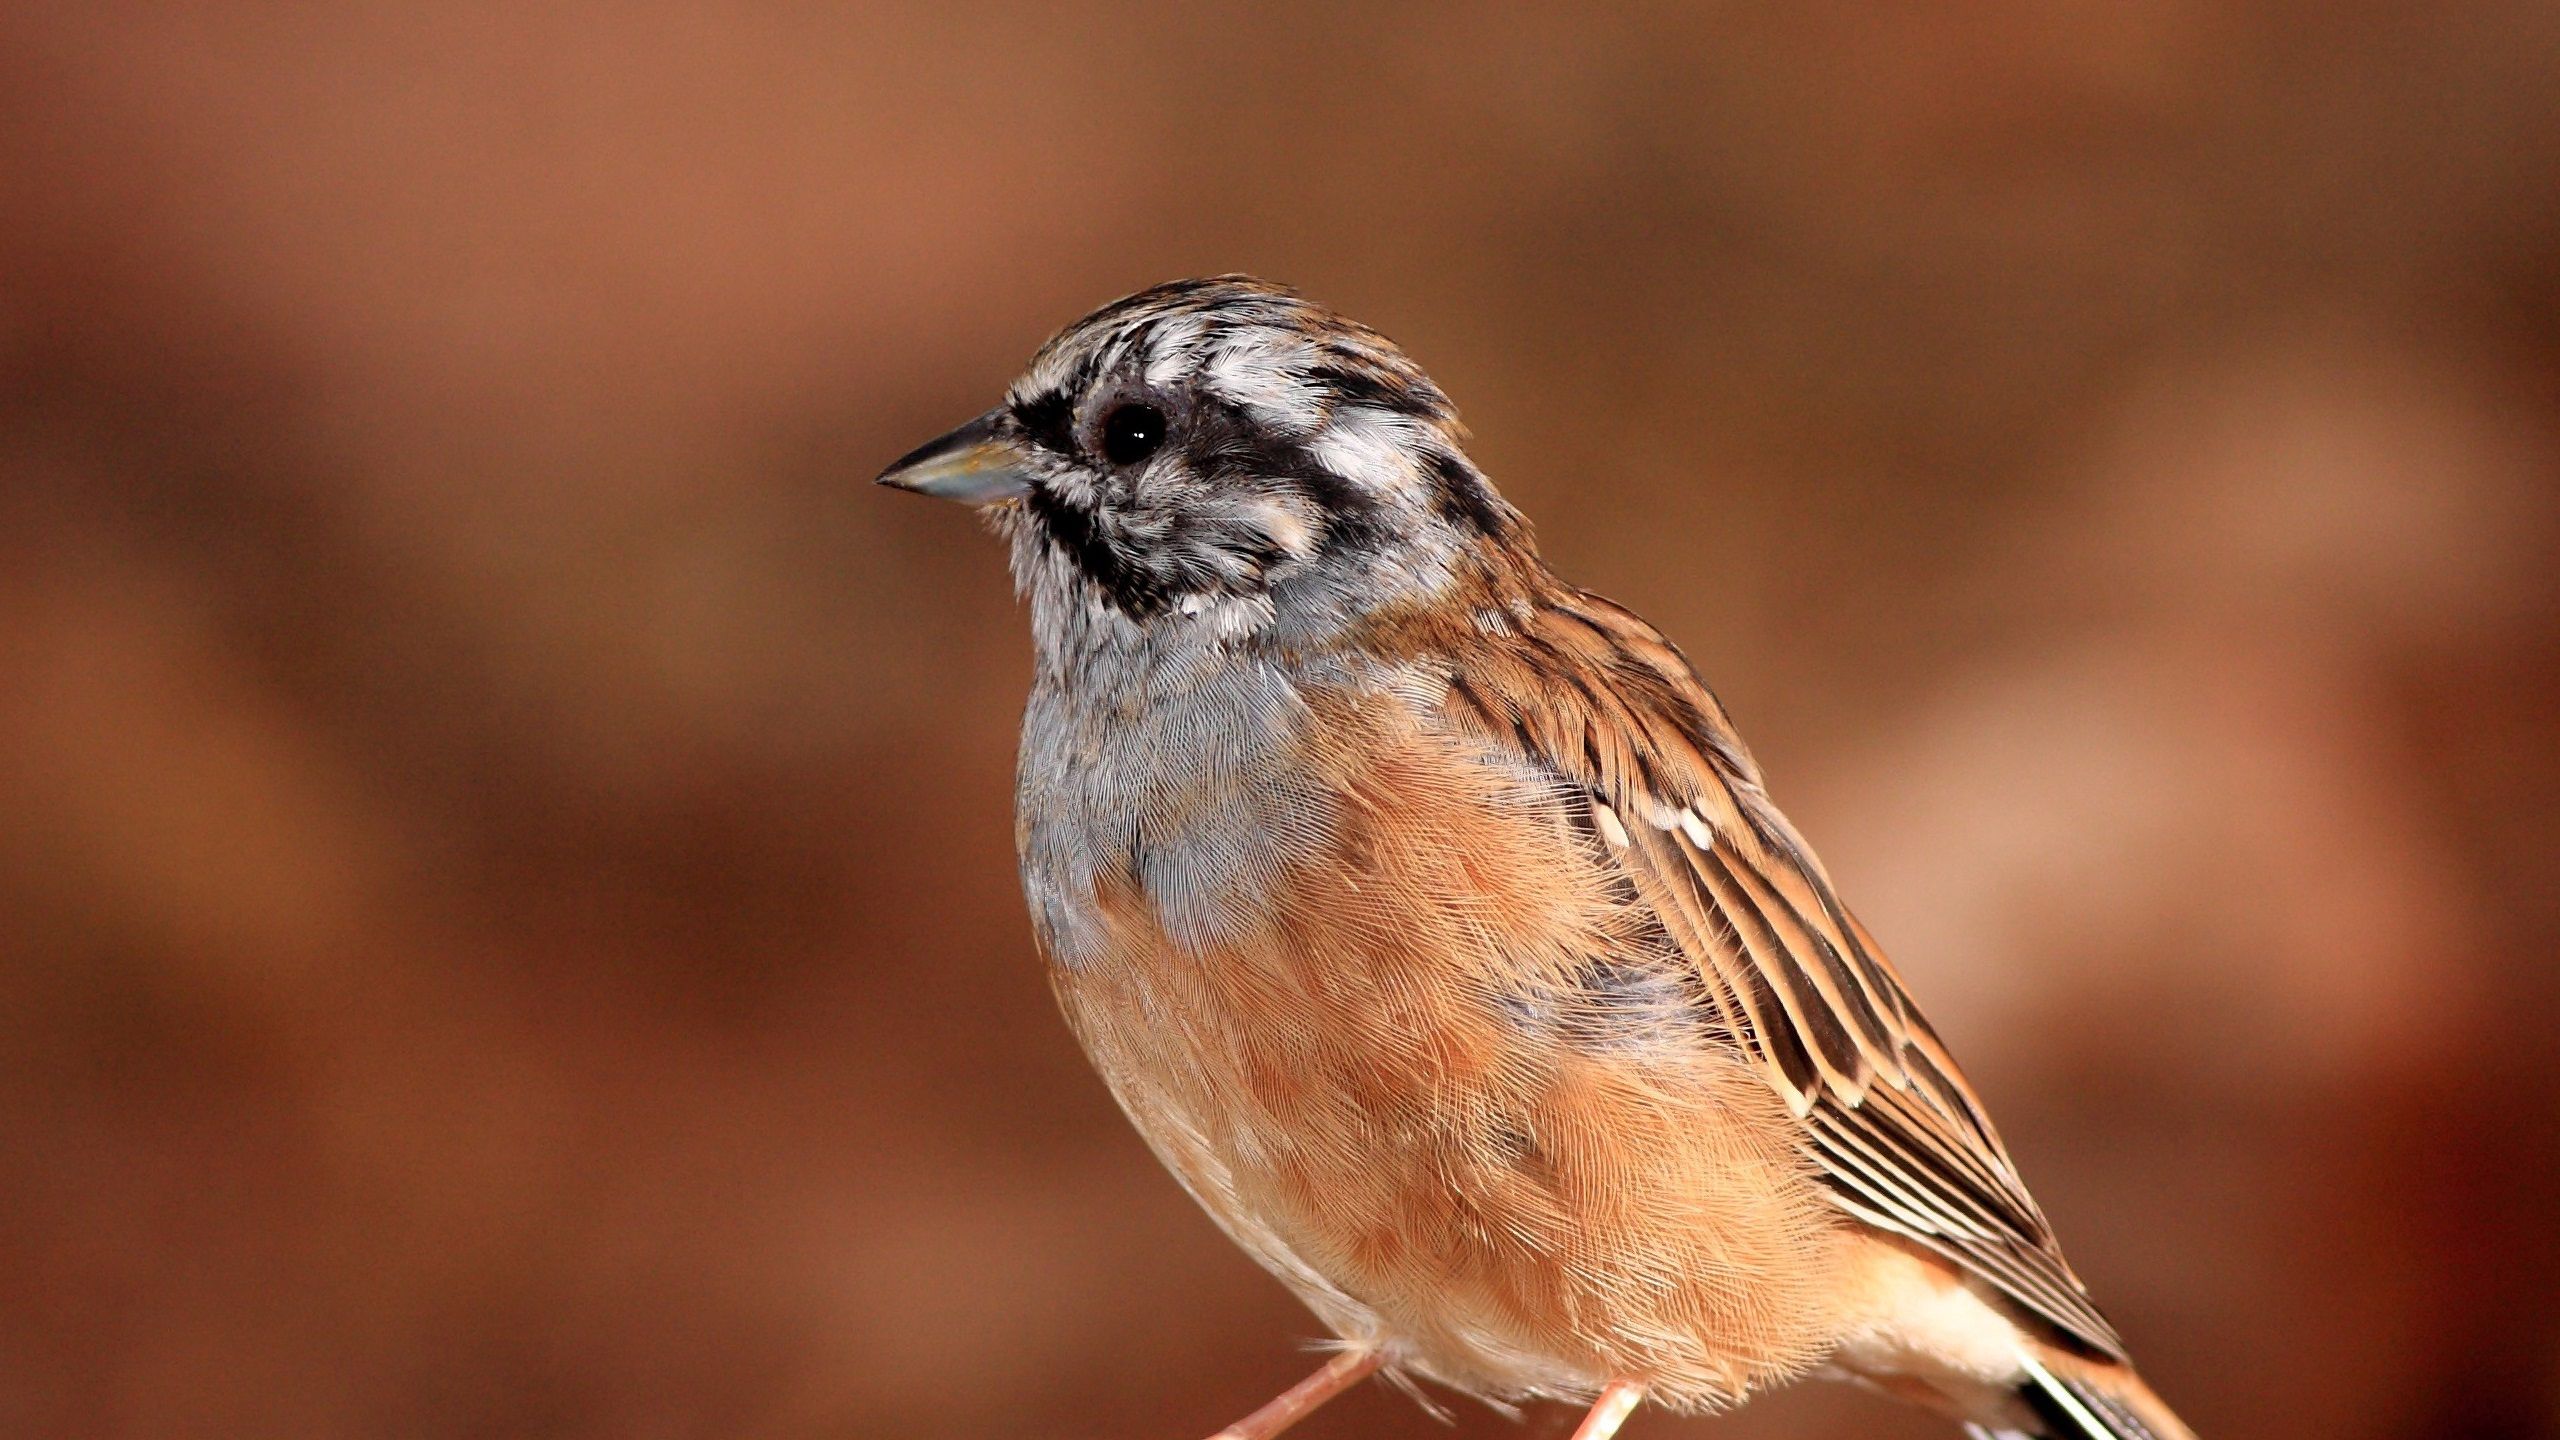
(1131,433)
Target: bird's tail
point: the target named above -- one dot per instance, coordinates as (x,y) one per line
(2076,1399)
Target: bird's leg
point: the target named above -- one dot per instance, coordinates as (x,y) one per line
(1339,1374)
(1618,1400)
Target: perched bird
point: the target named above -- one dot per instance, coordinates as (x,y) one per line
(1429,919)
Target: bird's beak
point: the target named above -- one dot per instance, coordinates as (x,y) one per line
(976,464)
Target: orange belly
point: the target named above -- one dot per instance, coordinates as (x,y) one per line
(1503,1219)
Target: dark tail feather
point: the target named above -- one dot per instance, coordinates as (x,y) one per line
(2076,1400)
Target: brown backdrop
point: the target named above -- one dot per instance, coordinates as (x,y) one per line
(507,925)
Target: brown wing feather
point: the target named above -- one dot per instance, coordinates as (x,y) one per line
(1600,698)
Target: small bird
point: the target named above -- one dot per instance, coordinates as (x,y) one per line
(1429,919)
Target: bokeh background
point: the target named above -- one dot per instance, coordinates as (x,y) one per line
(507,924)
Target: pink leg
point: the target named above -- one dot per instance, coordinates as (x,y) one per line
(1339,1374)
(1617,1401)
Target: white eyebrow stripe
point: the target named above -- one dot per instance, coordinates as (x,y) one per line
(1173,347)
(1379,449)
(1267,378)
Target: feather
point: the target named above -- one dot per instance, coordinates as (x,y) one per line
(1897,1133)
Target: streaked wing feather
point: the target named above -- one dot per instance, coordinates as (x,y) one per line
(1887,1117)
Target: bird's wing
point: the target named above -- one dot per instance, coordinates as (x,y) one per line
(1595,695)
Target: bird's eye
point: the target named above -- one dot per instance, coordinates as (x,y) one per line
(1131,433)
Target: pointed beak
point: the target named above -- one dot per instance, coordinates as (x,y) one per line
(977,464)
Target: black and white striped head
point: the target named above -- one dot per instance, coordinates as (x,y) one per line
(1217,441)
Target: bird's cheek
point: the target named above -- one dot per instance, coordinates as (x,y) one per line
(1287,531)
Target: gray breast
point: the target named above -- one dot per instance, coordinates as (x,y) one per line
(1178,766)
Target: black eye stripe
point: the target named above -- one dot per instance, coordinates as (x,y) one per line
(1049,420)
(1229,446)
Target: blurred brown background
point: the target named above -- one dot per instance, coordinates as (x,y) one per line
(507,923)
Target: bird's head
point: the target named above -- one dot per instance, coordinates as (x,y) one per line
(1219,448)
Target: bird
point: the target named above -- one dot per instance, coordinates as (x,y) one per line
(1430,921)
